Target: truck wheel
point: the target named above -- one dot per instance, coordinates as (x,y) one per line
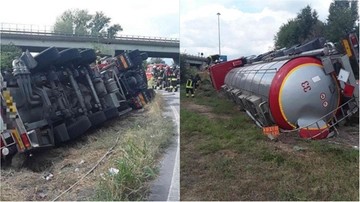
(68,55)
(87,56)
(79,127)
(144,56)
(45,58)
(134,53)
(111,113)
(97,118)
(18,160)
(137,60)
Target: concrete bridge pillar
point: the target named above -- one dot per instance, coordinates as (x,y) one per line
(177,60)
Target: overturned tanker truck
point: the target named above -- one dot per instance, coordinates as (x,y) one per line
(308,88)
(55,96)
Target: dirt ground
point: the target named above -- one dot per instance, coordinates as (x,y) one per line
(67,164)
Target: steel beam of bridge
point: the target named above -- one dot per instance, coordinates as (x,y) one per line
(38,41)
(195,60)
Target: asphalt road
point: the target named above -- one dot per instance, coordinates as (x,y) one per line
(167,186)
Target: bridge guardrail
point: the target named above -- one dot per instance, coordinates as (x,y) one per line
(194,56)
(28,30)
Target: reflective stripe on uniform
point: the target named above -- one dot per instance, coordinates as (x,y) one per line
(189,83)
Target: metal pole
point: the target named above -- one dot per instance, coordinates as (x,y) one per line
(219,31)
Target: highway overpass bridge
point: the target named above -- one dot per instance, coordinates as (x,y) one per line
(193,60)
(36,41)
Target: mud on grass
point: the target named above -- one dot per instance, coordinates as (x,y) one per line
(143,136)
(225,156)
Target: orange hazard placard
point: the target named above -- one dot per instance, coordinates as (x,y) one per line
(272,130)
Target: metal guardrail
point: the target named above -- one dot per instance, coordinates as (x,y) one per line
(40,30)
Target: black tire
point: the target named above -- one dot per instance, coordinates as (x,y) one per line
(87,56)
(137,60)
(97,118)
(19,160)
(70,55)
(144,56)
(111,112)
(134,53)
(46,58)
(79,127)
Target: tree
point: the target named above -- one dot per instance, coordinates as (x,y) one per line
(145,63)
(73,22)
(8,53)
(342,18)
(112,30)
(81,19)
(64,23)
(80,22)
(300,29)
(98,23)
(102,48)
(184,70)
(156,60)
(288,35)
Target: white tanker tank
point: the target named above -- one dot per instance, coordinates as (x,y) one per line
(302,92)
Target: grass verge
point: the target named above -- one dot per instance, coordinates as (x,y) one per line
(225,156)
(136,158)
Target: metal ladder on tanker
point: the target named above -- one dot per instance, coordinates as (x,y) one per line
(344,113)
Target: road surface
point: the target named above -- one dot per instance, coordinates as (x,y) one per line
(167,186)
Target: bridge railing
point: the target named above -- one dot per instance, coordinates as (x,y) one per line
(194,56)
(49,31)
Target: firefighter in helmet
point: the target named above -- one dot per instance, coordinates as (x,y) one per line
(197,80)
(173,81)
(190,87)
(166,78)
(154,76)
(160,78)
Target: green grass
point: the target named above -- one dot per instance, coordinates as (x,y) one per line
(225,156)
(136,157)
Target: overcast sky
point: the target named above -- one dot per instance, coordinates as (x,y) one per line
(159,18)
(247,27)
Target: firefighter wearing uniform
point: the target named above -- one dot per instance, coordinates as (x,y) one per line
(190,87)
(197,80)
(173,81)
(160,78)
(166,77)
(155,73)
(177,75)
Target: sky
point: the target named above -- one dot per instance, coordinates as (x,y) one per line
(158,18)
(247,27)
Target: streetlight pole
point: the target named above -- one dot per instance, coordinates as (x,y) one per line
(218,14)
